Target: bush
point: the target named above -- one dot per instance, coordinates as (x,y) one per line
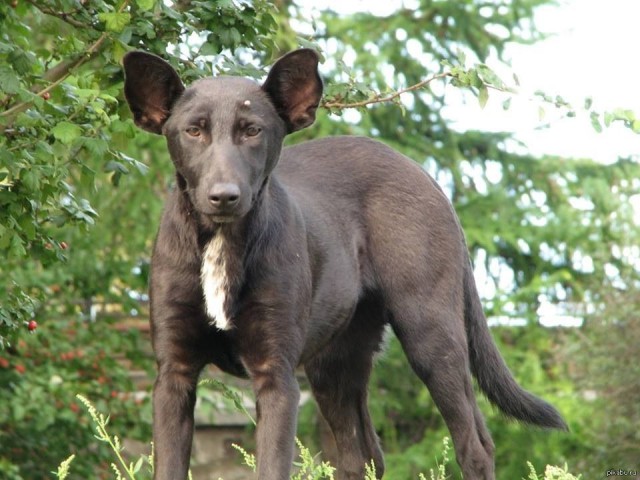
(41,421)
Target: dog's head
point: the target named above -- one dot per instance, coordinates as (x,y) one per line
(224,134)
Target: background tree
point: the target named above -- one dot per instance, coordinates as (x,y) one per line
(545,230)
(81,191)
(604,363)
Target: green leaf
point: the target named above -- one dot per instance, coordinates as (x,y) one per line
(138,465)
(541,113)
(483,96)
(236,38)
(489,76)
(118,50)
(115,166)
(474,78)
(624,114)
(19,411)
(58,220)
(21,62)
(16,248)
(608,118)
(8,80)
(145,4)
(115,21)
(595,122)
(28,227)
(97,146)
(66,132)
(30,180)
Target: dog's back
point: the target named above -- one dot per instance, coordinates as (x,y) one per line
(367,190)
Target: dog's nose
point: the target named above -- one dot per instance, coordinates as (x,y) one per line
(224,195)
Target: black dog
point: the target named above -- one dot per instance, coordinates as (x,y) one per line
(267,259)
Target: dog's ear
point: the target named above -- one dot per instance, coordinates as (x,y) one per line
(295,88)
(151,87)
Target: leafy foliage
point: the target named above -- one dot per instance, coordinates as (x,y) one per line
(62,135)
(604,365)
(81,191)
(40,376)
(100,422)
(552,473)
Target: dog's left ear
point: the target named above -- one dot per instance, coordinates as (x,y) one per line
(151,87)
(295,88)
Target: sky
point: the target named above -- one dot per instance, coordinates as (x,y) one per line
(591,52)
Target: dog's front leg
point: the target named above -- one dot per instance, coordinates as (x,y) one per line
(277,395)
(174,397)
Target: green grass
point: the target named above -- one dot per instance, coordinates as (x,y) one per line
(307,466)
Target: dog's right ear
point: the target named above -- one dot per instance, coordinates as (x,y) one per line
(151,87)
(295,88)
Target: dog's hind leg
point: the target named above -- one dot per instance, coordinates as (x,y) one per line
(338,378)
(431,331)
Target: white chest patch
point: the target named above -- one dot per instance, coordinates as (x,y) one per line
(215,282)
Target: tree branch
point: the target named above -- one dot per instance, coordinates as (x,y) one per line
(64,16)
(59,74)
(379,98)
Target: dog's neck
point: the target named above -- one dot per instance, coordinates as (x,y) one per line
(230,249)
(220,277)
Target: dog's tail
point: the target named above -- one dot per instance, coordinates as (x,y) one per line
(492,373)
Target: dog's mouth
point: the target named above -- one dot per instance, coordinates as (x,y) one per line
(227,218)
(228,215)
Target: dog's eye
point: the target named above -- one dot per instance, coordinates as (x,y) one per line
(193,131)
(252,131)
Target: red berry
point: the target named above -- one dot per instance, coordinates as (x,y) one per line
(32,325)
(46,95)
(20,369)
(64,245)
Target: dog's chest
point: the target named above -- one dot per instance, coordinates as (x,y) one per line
(216,282)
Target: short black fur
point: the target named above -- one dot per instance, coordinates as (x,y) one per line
(268,259)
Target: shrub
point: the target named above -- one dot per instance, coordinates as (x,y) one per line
(41,420)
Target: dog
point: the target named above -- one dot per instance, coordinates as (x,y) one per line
(269,258)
